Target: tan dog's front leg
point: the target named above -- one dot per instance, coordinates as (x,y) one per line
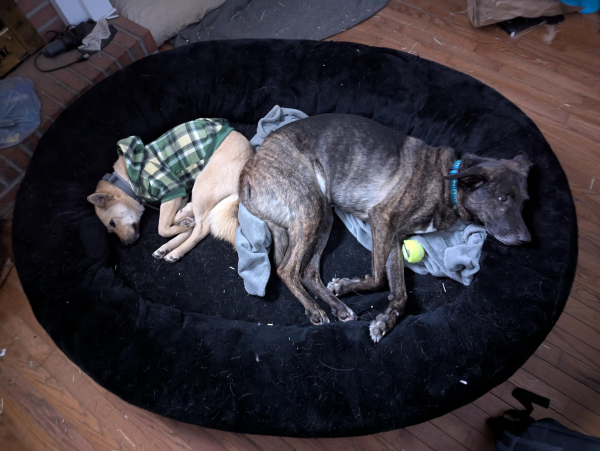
(168,211)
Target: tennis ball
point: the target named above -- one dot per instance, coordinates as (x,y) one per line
(413,251)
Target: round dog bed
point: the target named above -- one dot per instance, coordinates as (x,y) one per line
(184,340)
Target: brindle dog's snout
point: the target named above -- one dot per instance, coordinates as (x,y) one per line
(524,236)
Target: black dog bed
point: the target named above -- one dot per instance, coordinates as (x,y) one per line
(184,340)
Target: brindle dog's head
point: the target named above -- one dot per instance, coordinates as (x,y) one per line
(493,192)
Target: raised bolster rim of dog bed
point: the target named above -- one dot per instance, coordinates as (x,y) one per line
(186,342)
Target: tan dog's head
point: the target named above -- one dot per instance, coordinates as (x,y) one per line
(118,212)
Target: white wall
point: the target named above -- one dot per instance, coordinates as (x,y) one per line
(73,12)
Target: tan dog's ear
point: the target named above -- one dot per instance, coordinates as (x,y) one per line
(99,199)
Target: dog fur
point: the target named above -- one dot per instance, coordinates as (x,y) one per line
(395,182)
(213,208)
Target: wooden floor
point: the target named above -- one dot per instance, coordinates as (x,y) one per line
(47,403)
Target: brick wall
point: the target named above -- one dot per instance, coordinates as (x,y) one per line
(58,89)
(42,15)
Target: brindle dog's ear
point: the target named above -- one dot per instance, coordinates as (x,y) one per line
(524,162)
(472,177)
(99,199)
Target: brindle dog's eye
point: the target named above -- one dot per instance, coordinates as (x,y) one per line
(112,223)
(502,198)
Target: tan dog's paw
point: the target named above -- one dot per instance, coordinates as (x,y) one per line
(171,258)
(185,212)
(160,253)
(187,222)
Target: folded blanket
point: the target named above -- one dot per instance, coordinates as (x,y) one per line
(450,253)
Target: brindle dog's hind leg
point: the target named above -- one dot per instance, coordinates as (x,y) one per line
(301,236)
(311,277)
(394,268)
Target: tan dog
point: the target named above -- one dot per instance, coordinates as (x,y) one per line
(213,208)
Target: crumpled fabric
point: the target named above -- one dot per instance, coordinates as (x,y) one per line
(452,253)
(253,243)
(274,119)
(19,110)
(93,41)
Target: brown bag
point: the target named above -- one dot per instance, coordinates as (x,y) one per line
(485,12)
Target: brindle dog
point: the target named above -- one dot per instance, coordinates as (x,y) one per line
(397,183)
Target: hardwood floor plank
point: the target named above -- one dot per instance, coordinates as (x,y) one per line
(575,347)
(39,409)
(563,382)
(536,66)
(90,428)
(589,129)
(453,426)
(586,295)
(8,440)
(24,427)
(579,329)
(403,439)
(586,273)
(269,443)
(232,441)
(196,437)
(583,313)
(434,437)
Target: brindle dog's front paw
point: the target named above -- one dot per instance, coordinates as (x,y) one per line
(159,253)
(318,317)
(187,222)
(340,287)
(344,313)
(334,286)
(378,327)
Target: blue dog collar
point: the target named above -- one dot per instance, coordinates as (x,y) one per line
(453,189)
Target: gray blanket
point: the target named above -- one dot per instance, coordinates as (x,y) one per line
(279,19)
(453,252)
(450,253)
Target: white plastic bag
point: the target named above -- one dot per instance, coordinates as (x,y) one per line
(19,110)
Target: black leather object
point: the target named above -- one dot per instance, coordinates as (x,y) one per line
(184,340)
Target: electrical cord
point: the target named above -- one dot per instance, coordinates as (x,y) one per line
(78,60)
(70,42)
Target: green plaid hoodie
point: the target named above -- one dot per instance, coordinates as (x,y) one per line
(166,168)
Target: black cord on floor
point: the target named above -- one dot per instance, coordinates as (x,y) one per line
(78,60)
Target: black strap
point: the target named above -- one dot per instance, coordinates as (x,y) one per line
(527,399)
(122,184)
(519,419)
